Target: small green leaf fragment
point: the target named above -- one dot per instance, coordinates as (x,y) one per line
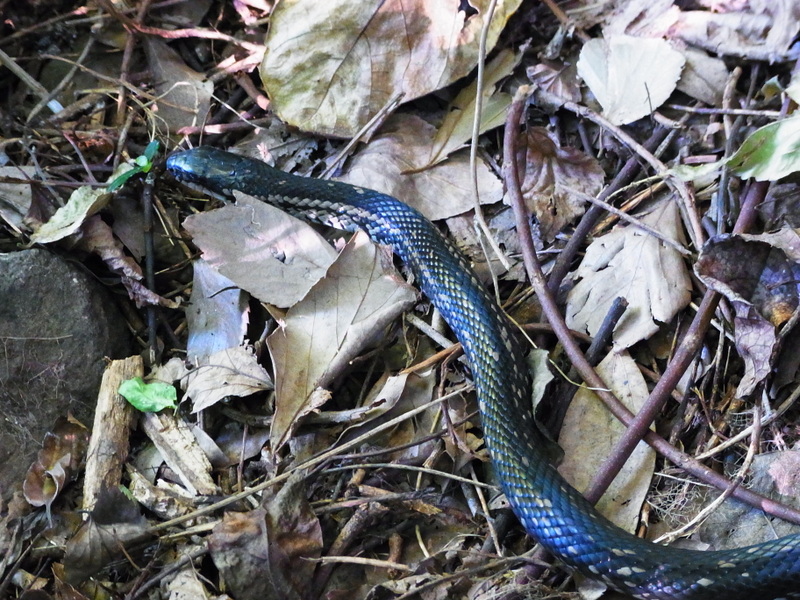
(122,179)
(149,397)
(151,150)
(771,152)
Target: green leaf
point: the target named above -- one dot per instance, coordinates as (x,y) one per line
(151,150)
(122,179)
(149,397)
(771,152)
(142,164)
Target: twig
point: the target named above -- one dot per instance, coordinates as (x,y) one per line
(679,186)
(482,226)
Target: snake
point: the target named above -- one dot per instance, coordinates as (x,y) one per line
(553,512)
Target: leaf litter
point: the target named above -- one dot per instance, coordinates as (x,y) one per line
(250,295)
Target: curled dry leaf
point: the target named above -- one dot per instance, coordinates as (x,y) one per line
(759,274)
(558,79)
(321,334)
(630,263)
(551,173)
(63,451)
(82,204)
(229,372)
(330,66)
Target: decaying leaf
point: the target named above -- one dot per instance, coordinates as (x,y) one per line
(619,71)
(759,274)
(630,263)
(551,174)
(63,451)
(330,66)
(559,80)
(275,257)
(229,372)
(320,335)
(389,162)
(263,554)
(114,522)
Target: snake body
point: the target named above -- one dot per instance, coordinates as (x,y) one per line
(553,512)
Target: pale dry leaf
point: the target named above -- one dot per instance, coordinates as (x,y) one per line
(330,66)
(590,432)
(15,198)
(229,372)
(551,174)
(217,315)
(704,77)
(272,255)
(184,95)
(759,30)
(456,128)
(82,204)
(440,192)
(629,263)
(619,72)
(326,330)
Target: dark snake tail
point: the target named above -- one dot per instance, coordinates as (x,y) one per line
(550,509)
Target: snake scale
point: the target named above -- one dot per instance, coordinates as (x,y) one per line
(554,513)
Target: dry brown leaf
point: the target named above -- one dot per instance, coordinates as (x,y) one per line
(440,192)
(274,256)
(326,330)
(590,432)
(184,95)
(759,275)
(330,66)
(264,554)
(228,372)
(63,451)
(558,79)
(629,263)
(114,522)
(217,315)
(551,175)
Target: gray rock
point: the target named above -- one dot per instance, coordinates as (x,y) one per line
(57,327)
